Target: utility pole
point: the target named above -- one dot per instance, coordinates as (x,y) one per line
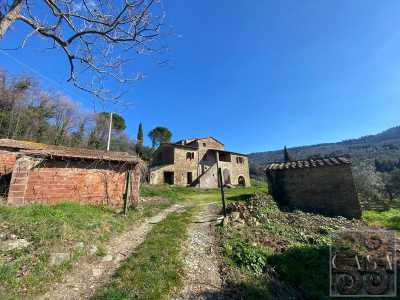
(109,132)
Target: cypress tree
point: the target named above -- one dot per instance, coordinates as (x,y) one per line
(286,155)
(140,135)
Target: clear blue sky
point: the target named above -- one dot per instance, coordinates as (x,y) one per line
(260,74)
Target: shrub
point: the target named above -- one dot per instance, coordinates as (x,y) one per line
(247,256)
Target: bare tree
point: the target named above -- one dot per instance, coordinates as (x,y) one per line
(98,37)
(65,111)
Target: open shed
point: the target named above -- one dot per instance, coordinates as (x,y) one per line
(35,172)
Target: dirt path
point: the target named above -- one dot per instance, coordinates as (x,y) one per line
(202,278)
(86,277)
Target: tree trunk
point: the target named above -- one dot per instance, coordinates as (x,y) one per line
(10,17)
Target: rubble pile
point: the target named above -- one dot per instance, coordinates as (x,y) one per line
(280,230)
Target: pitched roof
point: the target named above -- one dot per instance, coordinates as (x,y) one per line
(310,163)
(39,149)
(191,140)
(178,146)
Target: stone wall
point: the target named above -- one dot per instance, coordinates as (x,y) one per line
(183,165)
(52,181)
(202,165)
(157,173)
(209,144)
(240,169)
(327,190)
(163,155)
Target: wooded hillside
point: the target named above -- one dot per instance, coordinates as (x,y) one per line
(376,162)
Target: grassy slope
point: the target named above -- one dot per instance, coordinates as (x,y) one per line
(58,228)
(291,247)
(389,219)
(196,196)
(154,271)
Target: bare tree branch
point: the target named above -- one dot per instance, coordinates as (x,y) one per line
(98,37)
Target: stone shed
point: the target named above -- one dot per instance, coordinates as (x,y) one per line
(322,186)
(34,172)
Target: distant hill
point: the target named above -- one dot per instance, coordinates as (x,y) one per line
(384,145)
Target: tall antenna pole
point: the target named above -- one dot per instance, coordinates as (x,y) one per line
(109,132)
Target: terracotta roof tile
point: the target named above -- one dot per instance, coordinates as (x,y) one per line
(310,163)
(38,149)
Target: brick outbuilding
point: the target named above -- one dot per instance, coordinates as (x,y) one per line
(322,186)
(34,172)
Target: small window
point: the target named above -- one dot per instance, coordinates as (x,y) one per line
(190,155)
(239,160)
(204,145)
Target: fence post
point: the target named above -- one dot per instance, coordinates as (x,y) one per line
(127,191)
(221,185)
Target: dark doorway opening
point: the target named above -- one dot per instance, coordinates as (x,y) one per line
(241,181)
(5,181)
(227,176)
(169,177)
(189,178)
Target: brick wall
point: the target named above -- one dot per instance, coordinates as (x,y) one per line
(327,190)
(7,161)
(52,181)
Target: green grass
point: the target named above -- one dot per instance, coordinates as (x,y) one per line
(57,228)
(289,248)
(198,196)
(389,219)
(154,271)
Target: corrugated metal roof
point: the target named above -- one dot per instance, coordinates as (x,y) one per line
(310,163)
(39,149)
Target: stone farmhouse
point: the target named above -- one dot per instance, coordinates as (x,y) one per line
(34,172)
(322,186)
(195,162)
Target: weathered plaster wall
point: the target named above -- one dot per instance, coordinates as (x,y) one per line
(209,179)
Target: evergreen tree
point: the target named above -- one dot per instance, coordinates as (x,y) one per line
(159,135)
(140,135)
(287,157)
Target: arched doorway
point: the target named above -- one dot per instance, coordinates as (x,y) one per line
(227,176)
(241,181)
